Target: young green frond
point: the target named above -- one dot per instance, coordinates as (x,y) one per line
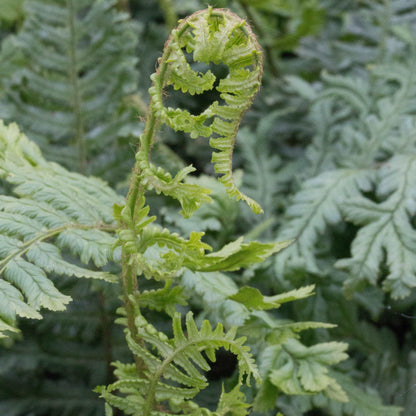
(298,370)
(173,368)
(212,35)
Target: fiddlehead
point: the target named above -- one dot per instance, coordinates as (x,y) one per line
(211,35)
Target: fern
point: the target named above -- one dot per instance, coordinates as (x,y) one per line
(177,361)
(61,97)
(350,169)
(314,207)
(54,223)
(360,402)
(156,253)
(386,228)
(39,221)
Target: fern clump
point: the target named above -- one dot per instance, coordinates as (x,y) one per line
(364,172)
(193,282)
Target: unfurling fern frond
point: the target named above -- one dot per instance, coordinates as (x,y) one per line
(49,211)
(212,35)
(173,368)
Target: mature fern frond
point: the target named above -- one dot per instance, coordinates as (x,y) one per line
(47,204)
(175,360)
(315,207)
(373,125)
(386,230)
(78,65)
(373,29)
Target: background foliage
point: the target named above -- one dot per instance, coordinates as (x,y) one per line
(328,150)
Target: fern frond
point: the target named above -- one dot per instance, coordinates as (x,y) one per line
(212,35)
(253,299)
(386,231)
(78,64)
(299,370)
(362,400)
(317,205)
(163,299)
(69,348)
(48,204)
(354,91)
(211,291)
(178,360)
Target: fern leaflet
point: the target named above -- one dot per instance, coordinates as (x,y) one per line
(175,360)
(50,211)
(386,228)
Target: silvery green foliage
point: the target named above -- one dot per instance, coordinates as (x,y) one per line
(357,169)
(66,73)
(48,212)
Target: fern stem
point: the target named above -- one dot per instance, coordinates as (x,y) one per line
(76,97)
(129,270)
(136,188)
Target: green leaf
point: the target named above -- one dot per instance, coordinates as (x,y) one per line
(179,360)
(315,207)
(211,35)
(237,254)
(253,299)
(303,370)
